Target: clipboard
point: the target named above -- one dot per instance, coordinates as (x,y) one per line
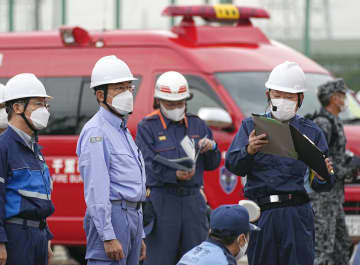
(309,153)
(286,141)
(278,134)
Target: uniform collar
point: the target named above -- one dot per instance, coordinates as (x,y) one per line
(112,118)
(27,139)
(13,132)
(168,121)
(328,114)
(230,258)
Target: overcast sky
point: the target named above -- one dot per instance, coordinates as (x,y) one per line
(344,20)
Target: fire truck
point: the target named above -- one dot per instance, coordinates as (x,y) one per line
(226,60)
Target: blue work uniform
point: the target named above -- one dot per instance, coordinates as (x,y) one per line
(113,171)
(209,252)
(25,199)
(287,229)
(180,209)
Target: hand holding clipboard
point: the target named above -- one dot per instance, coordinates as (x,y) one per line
(285,140)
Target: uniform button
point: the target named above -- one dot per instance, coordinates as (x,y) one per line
(271,180)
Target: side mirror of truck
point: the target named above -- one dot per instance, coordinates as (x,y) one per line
(216,117)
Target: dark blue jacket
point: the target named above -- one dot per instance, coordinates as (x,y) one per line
(158,135)
(271,174)
(25,182)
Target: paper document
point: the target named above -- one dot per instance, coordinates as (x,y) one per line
(285,140)
(185,163)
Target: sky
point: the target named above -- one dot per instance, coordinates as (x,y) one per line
(287,16)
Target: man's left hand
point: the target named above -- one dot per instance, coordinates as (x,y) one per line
(50,252)
(329,166)
(206,144)
(142,251)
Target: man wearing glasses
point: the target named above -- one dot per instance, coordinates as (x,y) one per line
(25,182)
(112,168)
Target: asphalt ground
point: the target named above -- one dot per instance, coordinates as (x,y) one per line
(61,257)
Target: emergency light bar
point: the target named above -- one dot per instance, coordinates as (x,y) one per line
(75,36)
(217,13)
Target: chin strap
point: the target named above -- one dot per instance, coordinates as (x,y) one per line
(110,107)
(27,121)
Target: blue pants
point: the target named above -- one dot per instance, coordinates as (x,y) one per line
(286,237)
(127,224)
(26,245)
(181,224)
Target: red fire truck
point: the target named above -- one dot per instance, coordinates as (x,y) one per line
(226,61)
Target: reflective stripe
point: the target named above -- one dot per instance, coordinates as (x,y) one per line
(34,194)
(2,180)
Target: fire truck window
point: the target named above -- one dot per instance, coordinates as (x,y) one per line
(63,107)
(89,105)
(248,91)
(203,95)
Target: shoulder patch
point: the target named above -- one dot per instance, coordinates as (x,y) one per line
(96,139)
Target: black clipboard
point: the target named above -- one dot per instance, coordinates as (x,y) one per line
(309,153)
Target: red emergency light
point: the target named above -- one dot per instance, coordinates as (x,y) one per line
(75,36)
(218,13)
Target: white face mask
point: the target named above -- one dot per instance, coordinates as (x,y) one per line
(123,102)
(3,119)
(40,118)
(242,251)
(174,114)
(285,108)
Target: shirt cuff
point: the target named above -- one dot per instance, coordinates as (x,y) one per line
(319,181)
(143,234)
(108,235)
(214,146)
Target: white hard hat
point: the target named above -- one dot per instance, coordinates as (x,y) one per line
(172,86)
(252,208)
(24,85)
(2,93)
(287,77)
(110,70)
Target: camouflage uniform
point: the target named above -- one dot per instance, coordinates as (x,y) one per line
(332,242)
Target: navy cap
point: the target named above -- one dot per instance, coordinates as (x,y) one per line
(231,220)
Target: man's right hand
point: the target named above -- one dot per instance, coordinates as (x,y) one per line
(185,175)
(3,254)
(113,249)
(256,142)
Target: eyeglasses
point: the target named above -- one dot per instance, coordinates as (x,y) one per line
(40,104)
(123,88)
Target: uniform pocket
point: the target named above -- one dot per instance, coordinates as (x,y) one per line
(124,167)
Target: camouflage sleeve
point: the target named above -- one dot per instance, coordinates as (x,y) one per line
(340,168)
(325,126)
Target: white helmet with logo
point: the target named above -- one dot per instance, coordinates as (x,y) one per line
(172,86)
(2,93)
(110,70)
(287,77)
(24,85)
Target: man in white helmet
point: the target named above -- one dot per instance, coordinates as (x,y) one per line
(25,182)
(179,208)
(276,183)
(3,114)
(113,171)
